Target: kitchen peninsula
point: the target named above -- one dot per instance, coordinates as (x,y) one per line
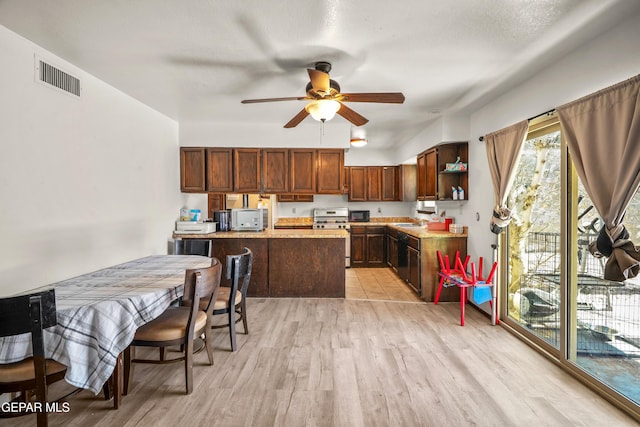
(287,263)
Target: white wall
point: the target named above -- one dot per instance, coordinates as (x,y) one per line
(84,183)
(605,60)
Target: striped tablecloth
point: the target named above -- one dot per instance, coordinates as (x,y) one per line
(99,312)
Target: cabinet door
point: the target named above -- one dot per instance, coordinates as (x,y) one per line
(192,169)
(413,259)
(421,177)
(358,250)
(375,250)
(389,183)
(247,170)
(357,183)
(330,171)
(216,202)
(392,252)
(302,164)
(345,186)
(220,170)
(275,170)
(374,183)
(431,174)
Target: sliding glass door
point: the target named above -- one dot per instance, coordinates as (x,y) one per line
(555,292)
(533,236)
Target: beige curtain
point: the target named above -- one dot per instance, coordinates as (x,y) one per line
(602,131)
(503,152)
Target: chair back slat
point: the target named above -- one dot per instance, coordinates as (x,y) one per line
(239,267)
(206,287)
(16,316)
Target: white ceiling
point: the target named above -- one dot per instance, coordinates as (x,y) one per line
(196,60)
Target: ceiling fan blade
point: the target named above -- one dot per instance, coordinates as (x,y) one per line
(320,81)
(297,119)
(351,115)
(383,97)
(291,98)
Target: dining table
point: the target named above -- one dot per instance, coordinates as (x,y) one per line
(98,314)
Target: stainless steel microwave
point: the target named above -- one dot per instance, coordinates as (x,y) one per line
(359,216)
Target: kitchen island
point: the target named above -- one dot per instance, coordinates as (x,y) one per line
(287,263)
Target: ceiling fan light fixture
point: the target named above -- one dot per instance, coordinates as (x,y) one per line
(322,109)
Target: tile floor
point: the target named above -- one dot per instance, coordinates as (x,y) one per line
(377,284)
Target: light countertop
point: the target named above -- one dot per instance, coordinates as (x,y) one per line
(269,234)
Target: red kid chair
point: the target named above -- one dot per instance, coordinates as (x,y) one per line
(459,277)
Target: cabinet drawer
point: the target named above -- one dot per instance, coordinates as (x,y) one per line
(358,229)
(414,242)
(376,230)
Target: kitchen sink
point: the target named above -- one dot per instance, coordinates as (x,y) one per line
(407,225)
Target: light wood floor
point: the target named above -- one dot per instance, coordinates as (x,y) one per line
(320,362)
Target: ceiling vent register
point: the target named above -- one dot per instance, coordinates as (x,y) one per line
(50,75)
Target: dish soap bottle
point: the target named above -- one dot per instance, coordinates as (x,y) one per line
(460,193)
(455,193)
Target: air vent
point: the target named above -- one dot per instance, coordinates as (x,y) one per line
(53,76)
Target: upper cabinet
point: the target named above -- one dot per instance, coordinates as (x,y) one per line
(246,166)
(267,170)
(302,163)
(381,183)
(219,170)
(435,181)
(275,170)
(330,171)
(192,169)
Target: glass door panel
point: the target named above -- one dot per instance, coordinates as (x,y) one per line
(534,252)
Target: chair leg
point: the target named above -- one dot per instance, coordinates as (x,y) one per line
(208,341)
(435,301)
(243,309)
(232,328)
(188,366)
(463,301)
(128,371)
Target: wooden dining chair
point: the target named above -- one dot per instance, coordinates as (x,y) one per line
(180,326)
(232,300)
(29,314)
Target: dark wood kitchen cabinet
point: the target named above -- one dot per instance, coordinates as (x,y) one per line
(295,197)
(357,183)
(219,170)
(302,164)
(368,246)
(374,183)
(390,183)
(413,264)
(275,170)
(434,181)
(427,175)
(246,167)
(193,177)
(330,169)
(392,248)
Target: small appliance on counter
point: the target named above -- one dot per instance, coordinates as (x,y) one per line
(195,227)
(359,216)
(249,219)
(223,219)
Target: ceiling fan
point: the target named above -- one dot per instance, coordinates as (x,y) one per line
(325,99)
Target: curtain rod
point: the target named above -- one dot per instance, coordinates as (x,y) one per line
(553,110)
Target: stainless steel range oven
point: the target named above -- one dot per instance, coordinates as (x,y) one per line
(332,219)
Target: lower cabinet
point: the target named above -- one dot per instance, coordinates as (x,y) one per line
(392,249)
(413,261)
(259,285)
(368,246)
(289,267)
